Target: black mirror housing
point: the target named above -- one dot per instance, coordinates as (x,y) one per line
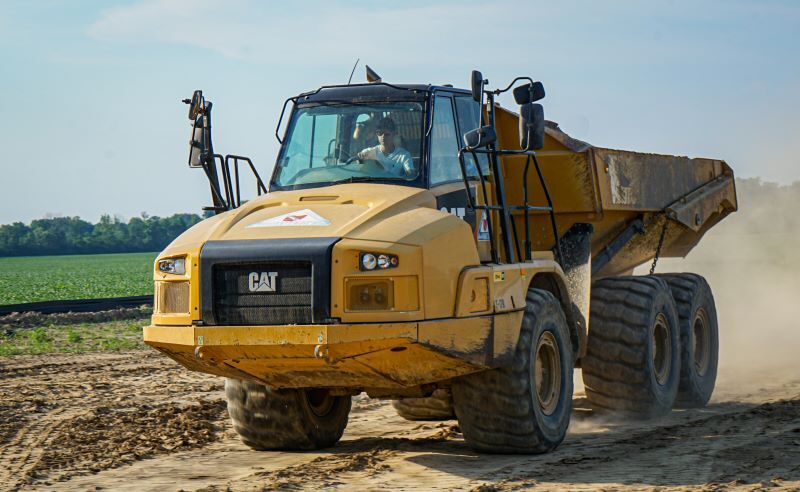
(531,126)
(528,93)
(480,137)
(195,104)
(477,85)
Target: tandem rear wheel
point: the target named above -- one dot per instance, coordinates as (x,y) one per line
(632,362)
(437,406)
(288,419)
(653,344)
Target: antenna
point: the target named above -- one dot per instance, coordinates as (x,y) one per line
(353,71)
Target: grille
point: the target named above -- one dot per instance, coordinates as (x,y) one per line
(172,297)
(236,304)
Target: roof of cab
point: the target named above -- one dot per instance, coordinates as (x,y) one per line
(373,92)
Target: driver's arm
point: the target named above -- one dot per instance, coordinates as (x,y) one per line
(368,153)
(407,164)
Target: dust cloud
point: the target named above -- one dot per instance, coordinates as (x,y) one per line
(752,261)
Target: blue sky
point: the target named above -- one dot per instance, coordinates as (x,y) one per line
(91,120)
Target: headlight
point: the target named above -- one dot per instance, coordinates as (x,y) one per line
(371,261)
(175,266)
(368,261)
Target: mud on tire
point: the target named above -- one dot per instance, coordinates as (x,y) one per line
(526,407)
(699,338)
(438,406)
(290,419)
(632,362)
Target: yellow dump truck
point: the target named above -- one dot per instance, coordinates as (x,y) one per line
(424,244)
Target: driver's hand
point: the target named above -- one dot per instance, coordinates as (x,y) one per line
(367,154)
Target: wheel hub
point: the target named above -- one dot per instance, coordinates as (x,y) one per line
(662,349)
(320,401)
(547,373)
(701,343)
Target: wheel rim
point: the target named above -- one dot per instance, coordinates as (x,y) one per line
(547,371)
(701,341)
(662,349)
(320,401)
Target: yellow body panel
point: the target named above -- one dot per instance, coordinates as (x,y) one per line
(376,357)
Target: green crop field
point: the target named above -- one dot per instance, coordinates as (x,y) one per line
(50,278)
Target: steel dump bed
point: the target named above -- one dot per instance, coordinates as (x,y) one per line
(626,196)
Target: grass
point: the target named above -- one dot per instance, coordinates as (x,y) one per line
(78,338)
(50,278)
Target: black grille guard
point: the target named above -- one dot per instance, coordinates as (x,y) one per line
(314,250)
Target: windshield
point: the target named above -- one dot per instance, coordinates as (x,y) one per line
(352,142)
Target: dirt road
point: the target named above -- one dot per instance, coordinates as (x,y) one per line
(137,421)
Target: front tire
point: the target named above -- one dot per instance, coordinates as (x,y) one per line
(524,408)
(289,419)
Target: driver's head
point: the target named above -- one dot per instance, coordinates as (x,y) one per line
(386,130)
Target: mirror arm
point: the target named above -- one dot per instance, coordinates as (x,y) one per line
(500,91)
(219,201)
(462,164)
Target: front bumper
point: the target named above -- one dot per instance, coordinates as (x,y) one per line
(387,356)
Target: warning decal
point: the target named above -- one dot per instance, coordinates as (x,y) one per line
(300,218)
(483,228)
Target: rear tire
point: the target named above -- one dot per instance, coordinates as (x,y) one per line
(632,363)
(438,406)
(289,419)
(699,338)
(524,408)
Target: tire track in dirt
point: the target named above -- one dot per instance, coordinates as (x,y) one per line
(70,415)
(97,420)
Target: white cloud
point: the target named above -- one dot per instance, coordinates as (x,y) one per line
(313,34)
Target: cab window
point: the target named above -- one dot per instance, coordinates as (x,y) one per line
(468,111)
(444,166)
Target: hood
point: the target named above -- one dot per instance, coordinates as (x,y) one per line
(343,210)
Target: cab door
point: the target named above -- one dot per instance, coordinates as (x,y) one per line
(454,115)
(444,170)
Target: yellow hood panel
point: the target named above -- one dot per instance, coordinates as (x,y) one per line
(335,211)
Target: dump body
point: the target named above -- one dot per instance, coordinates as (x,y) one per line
(610,189)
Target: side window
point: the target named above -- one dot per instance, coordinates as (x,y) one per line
(444,165)
(469,118)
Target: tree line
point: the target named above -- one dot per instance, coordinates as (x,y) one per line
(763,207)
(73,235)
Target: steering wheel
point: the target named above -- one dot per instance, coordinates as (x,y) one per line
(351,160)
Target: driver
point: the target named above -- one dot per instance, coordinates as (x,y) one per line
(395,160)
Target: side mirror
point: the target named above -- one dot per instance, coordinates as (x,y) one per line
(480,137)
(531,126)
(528,93)
(477,86)
(196,104)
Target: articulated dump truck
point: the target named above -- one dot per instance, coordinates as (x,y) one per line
(423,244)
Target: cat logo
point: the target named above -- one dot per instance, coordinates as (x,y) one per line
(459,212)
(263,282)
